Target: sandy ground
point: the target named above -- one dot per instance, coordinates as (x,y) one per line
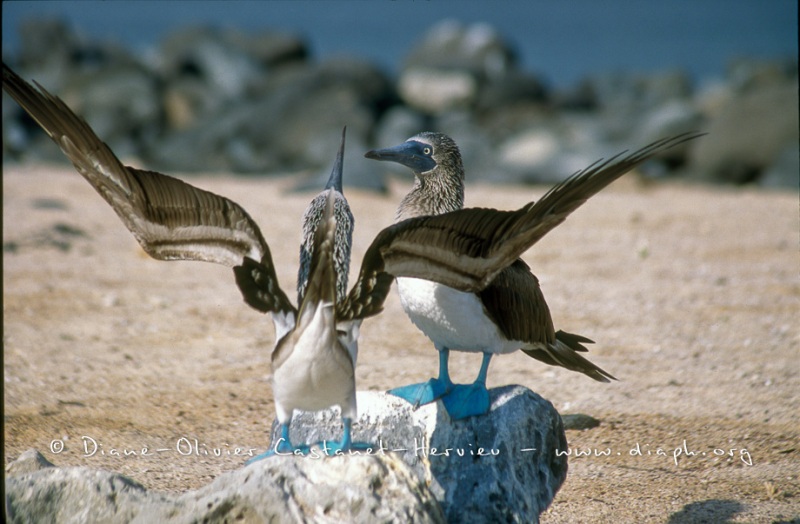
(692,294)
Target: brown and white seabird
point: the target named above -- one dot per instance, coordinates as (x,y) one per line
(499,308)
(314,357)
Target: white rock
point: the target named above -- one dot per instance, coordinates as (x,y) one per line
(281,489)
(437,90)
(499,467)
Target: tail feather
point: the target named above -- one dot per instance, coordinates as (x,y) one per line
(563,352)
(574,341)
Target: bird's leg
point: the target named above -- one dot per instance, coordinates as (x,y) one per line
(471,399)
(346,444)
(430,391)
(282,447)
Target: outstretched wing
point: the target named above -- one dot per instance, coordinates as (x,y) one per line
(466,249)
(171,219)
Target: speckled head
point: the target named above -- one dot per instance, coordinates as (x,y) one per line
(424,154)
(438,171)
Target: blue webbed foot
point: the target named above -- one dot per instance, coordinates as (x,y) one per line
(423,393)
(466,401)
(427,392)
(346,444)
(282,447)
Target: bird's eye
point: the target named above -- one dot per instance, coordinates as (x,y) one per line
(427,150)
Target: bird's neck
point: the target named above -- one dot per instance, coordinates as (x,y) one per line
(432,194)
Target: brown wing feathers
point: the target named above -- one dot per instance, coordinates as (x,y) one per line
(466,249)
(170,218)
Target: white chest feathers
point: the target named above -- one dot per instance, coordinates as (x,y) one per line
(314,370)
(450,318)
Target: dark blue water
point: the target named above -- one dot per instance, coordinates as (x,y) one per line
(562,40)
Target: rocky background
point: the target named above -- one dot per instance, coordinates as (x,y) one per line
(220,101)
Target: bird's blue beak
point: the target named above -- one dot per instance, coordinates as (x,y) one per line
(411,154)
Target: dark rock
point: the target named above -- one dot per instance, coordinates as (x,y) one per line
(273,49)
(51,52)
(749,73)
(60,236)
(46,43)
(201,148)
(121,104)
(513,89)
(101,81)
(30,461)
(623,100)
(614,91)
(480,469)
(212,56)
(303,118)
(580,97)
(185,101)
(747,136)
(579,421)
(16,137)
(295,125)
(712,97)
(666,86)
(446,70)
(204,69)
(506,121)
(49,203)
(476,48)
(281,489)
(784,173)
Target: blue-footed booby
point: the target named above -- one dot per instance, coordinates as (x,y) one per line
(504,309)
(313,365)
(314,358)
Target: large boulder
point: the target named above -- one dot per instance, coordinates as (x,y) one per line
(447,68)
(282,489)
(205,68)
(748,135)
(103,82)
(504,466)
(477,48)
